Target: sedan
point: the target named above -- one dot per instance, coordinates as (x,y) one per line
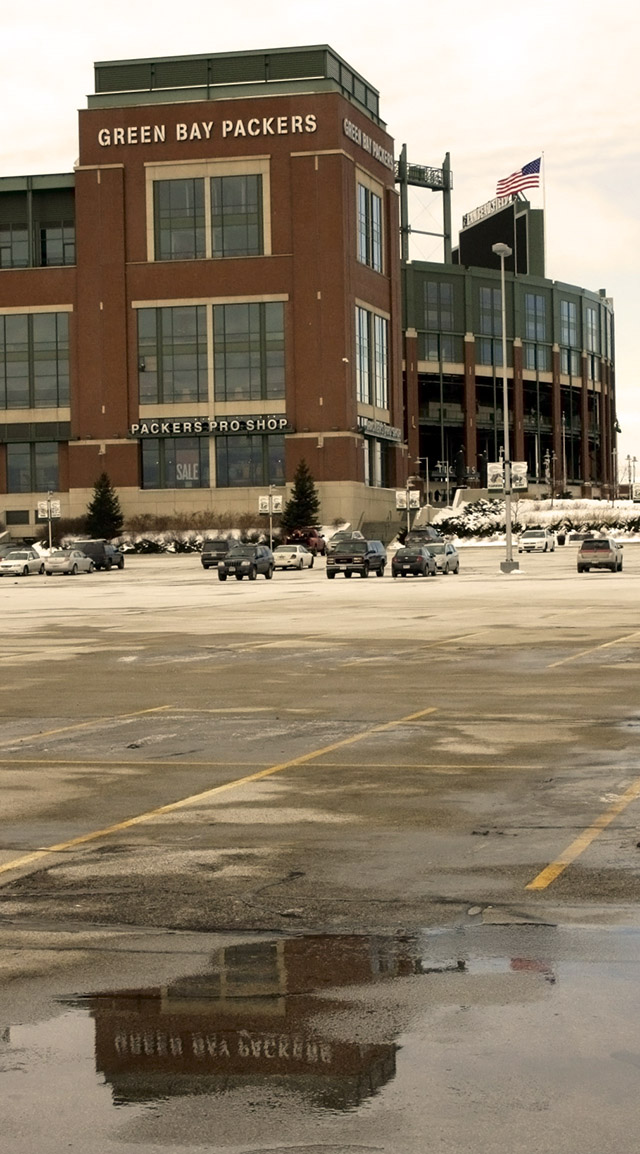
(68,561)
(21,562)
(446,556)
(414,561)
(292,557)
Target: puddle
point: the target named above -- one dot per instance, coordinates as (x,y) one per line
(311,1027)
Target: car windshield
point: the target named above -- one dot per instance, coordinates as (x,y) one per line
(244,551)
(435,548)
(355,546)
(61,553)
(533,533)
(596,545)
(17,556)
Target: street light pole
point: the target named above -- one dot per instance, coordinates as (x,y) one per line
(508,565)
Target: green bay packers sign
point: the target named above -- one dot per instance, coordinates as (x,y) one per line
(208,426)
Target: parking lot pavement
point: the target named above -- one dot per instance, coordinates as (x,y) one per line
(176,751)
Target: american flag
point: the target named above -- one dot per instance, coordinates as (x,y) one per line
(526,177)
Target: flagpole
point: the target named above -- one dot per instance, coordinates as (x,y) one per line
(544,215)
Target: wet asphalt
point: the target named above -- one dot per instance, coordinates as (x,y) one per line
(336,866)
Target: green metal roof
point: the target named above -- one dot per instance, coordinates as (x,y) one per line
(215,76)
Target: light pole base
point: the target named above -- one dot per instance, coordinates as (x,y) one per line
(509,566)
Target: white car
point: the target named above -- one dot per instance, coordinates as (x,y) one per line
(21,562)
(68,561)
(292,557)
(536,541)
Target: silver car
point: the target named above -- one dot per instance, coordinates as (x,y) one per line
(446,556)
(68,561)
(21,562)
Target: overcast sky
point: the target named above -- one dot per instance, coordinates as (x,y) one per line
(494,84)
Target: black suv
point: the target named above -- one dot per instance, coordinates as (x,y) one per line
(247,561)
(102,553)
(215,550)
(357,556)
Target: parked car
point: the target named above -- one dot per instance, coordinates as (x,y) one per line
(310,538)
(343,535)
(446,556)
(423,535)
(292,557)
(536,541)
(413,561)
(356,555)
(600,553)
(68,561)
(215,550)
(103,554)
(247,561)
(20,563)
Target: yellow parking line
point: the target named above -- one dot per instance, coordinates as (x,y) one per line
(594,649)
(82,725)
(581,843)
(171,807)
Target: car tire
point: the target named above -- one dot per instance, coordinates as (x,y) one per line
(620,567)
(25,571)
(445,569)
(348,573)
(311,563)
(364,572)
(613,568)
(41,570)
(49,574)
(253,573)
(269,573)
(74,571)
(91,568)
(107,565)
(331,576)
(222,576)
(456,571)
(300,564)
(380,571)
(394,575)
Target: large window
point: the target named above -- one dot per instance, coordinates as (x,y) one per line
(535,317)
(32,468)
(236,215)
(369,228)
(175,463)
(14,246)
(569,323)
(249,351)
(220,216)
(179,219)
(57,243)
(372,358)
(34,361)
(591,326)
(172,355)
(249,460)
(490,312)
(438,306)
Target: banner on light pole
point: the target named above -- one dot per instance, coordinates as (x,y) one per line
(495,476)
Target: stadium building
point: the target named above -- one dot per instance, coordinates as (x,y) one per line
(217,291)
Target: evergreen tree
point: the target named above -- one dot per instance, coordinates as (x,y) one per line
(104,515)
(303,508)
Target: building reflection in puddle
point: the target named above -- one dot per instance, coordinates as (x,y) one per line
(253,1018)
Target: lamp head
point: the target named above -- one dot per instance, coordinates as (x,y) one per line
(501,250)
